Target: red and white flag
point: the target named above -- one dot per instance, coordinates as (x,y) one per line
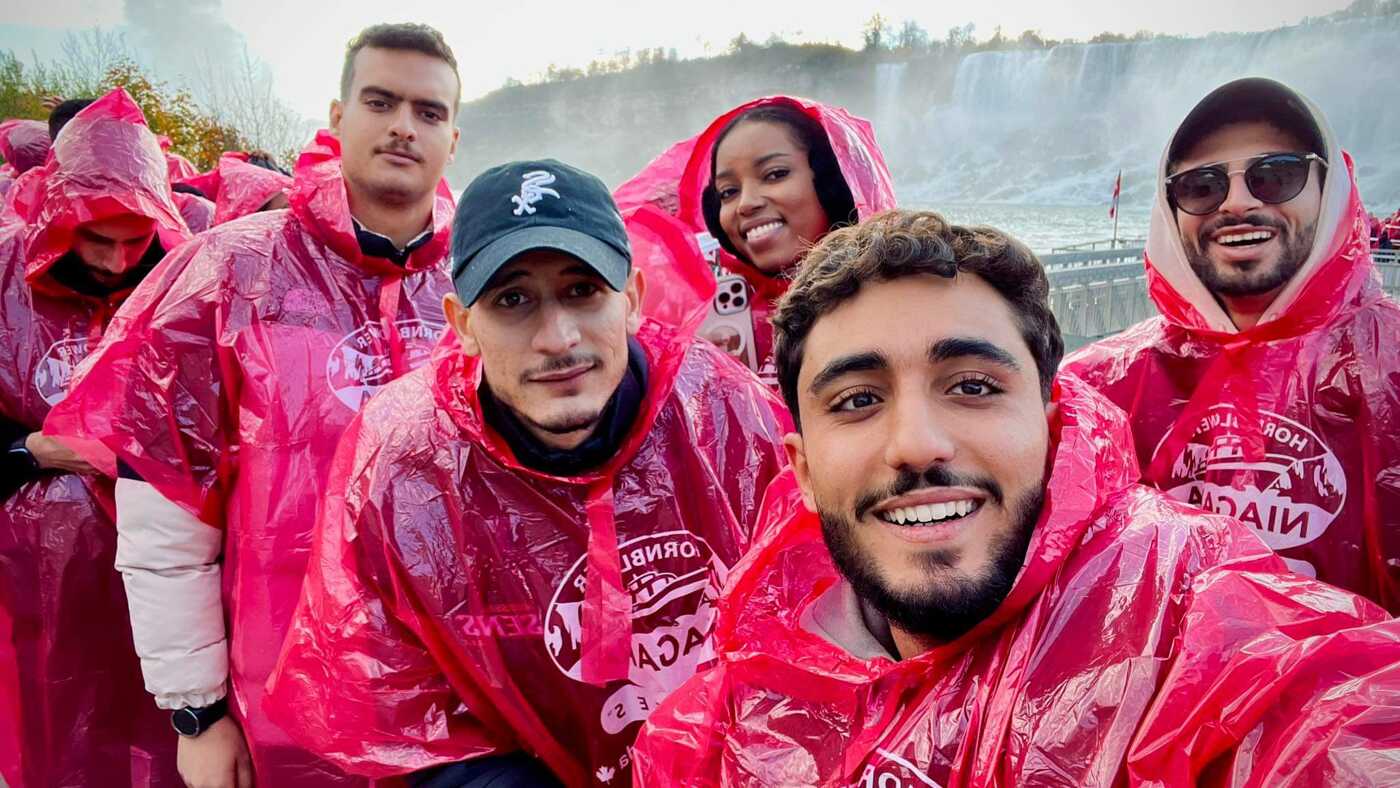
(1117,189)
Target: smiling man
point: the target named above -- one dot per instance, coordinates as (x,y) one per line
(221,391)
(524,540)
(960,582)
(1269,387)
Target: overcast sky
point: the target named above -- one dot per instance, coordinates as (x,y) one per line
(303,42)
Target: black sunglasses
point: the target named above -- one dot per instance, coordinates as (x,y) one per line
(1272,178)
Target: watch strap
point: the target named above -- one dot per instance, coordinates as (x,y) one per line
(19,449)
(191,721)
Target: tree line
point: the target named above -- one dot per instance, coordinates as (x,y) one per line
(887,39)
(235,109)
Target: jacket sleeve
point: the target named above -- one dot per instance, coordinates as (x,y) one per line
(357,682)
(1276,679)
(169,562)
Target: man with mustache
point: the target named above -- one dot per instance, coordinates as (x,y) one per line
(524,540)
(962,584)
(1269,388)
(220,391)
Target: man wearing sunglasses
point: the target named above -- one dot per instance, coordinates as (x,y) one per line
(1269,387)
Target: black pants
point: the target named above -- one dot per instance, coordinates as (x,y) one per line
(516,770)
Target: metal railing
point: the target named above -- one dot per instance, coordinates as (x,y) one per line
(1388,264)
(1107,243)
(1063,261)
(1098,292)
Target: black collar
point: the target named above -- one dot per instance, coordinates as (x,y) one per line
(373,244)
(612,430)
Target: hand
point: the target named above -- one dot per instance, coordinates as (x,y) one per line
(51,103)
(53,455)
(216,758)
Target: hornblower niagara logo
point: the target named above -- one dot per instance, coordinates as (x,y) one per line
(532,190)
(886,769)
(1289,496)
(360,364)
(55,369)
(674,579)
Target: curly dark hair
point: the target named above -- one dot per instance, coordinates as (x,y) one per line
(410,36)
(901,243)
(832,190)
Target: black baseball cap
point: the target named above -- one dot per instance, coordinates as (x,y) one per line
(1245,100)
(527,205)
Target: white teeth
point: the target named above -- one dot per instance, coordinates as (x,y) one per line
(928,513)
(763,229)
(1240,238)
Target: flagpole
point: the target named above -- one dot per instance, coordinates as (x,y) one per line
(1117,190)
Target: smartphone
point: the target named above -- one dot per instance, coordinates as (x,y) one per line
(729,325)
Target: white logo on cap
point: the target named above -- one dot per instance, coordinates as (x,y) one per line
(532,190)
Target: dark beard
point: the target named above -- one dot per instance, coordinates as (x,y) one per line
(950,603)
(74,274)
(1259,279)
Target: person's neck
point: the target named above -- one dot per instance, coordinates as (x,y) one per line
(910,644)
(581,450)
(1245,311)
(398,223)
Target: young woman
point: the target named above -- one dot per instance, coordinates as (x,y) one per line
(764,181)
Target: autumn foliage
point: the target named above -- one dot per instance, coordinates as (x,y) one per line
(171,112)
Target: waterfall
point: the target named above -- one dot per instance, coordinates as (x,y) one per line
(1053,126)
(891,114)
(1048,127)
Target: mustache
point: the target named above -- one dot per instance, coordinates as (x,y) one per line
(933,477)
(401,148)
(1216,225)
(560,364)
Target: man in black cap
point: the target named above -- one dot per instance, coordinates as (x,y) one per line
(1267,389)
(524,540)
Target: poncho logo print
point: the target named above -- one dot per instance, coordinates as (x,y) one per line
(674,579)
(360,362)
(55,369)
(891,771)
(1289,497)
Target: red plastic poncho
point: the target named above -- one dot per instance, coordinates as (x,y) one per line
(24,144)
(460,605)
(239,188)
(80,715)
(673,184)
(1143,642)
(199,214)
(179,168)
(226,381)
(246,188)
(1292,426)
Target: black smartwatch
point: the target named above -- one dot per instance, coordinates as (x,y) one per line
(191,721)
(19,452)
